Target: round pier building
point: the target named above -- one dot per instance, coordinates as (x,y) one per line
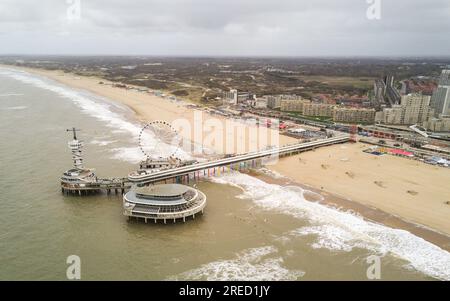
(166,202)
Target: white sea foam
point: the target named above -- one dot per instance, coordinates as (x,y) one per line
(86,102)
(342,231)
(96,107)
(11,94)
(272,173)
(256,264)
(15,108)
(103,142)
(127,154)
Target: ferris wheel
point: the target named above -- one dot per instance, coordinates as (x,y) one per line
(158,139)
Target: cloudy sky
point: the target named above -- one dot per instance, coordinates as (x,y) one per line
(226,27)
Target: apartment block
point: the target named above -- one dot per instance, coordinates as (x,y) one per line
(318,109)
(353,115)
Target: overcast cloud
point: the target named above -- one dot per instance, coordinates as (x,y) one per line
(226,27)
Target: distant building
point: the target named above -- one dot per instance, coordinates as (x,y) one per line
(290,97)
(414,109)
(406,87)
(392,95)
(441,97)
(244,96)
(441,124)
(231,96)
(318,109)
(259,103)
(288,105)
(392,115)
(385,91)
(273,102)
(379,88)
(353,115)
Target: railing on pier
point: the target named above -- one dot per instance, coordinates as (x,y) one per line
(158,176)
(116,184)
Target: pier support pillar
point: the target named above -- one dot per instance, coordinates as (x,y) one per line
(184,219)
(145,220)
(164,221)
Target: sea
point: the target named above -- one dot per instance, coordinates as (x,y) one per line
(250,230)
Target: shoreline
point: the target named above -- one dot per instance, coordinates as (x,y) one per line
(148,107)
(366,212)
(164,109)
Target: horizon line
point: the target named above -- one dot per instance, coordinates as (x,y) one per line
(238,56)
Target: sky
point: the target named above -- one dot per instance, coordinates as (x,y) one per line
(226,27)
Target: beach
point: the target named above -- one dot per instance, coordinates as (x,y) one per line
(408,189)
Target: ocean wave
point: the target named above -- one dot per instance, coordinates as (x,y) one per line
(128,154)
(342,231)
(15,108)
(11,94)
(249,265)
(103,142)
(272,173)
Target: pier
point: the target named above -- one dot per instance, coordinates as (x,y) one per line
(249,160)
(113,185)
(168,202)
(82,181)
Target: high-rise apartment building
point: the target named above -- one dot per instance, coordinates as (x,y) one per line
(440,100)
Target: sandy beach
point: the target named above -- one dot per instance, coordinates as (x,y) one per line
(410,190)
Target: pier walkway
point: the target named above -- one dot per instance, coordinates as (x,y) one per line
(177,174)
